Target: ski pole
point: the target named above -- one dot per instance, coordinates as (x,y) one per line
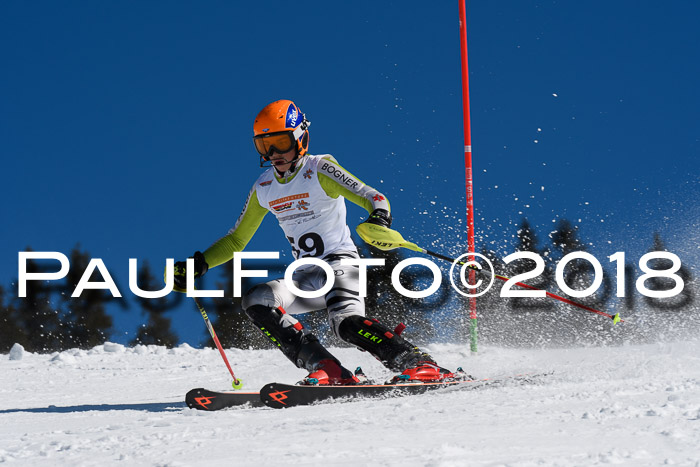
(237,383)
(384,238)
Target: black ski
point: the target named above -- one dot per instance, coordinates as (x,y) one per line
(280,395)
(204,399)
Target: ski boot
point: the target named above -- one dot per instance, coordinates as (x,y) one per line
(395,352)
(300,346)
(330,373)
(424,372)
(429,372)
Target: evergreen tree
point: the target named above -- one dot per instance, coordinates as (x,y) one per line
(158,329)
(528,241)
(84,320)
(677,302)
(565,238)
(491,308)
(579,273)
(10,330)
(37,317)
(233,328)
(385,303)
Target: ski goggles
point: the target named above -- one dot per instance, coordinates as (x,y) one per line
(281,141)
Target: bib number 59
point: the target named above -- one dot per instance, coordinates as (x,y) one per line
(308,245)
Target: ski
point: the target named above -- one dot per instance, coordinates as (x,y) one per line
(280,395)
(204,399)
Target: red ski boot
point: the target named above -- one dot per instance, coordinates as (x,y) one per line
(425,372)
(330,372)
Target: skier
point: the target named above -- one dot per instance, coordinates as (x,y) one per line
(306,194)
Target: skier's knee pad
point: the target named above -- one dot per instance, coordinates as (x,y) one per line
(261,294)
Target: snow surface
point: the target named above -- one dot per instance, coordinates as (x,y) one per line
(629,405)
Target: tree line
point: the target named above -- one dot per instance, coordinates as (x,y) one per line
(49,319)
(543,321)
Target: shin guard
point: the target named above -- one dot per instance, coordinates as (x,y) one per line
(299,346)
(395,352)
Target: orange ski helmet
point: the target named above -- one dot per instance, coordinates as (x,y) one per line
(279,127)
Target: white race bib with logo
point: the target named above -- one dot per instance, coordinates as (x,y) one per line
(313,222)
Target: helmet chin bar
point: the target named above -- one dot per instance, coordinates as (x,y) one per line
(264,160)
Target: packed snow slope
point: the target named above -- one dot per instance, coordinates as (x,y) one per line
(630,405)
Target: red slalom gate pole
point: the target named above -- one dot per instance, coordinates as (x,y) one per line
(473,334)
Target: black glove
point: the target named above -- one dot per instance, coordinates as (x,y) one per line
(200,268)
(380,217)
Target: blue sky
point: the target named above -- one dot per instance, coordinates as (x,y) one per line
(126,126)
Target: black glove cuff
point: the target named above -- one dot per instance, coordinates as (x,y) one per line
(200,264)
(380,217)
